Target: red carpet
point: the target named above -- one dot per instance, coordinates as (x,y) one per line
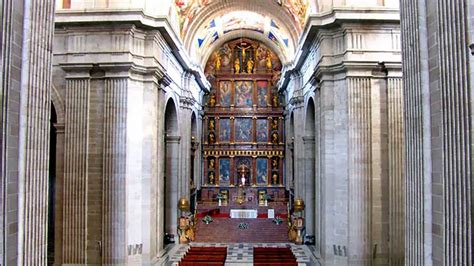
(204,256)
(265,256)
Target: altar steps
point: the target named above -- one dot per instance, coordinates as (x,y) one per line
(204,256)
(274,256)
(226,230)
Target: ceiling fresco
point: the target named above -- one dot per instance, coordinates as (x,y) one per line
(240,20)
(188,10)
(216,25)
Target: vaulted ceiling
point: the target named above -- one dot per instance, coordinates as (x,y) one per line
(206,24)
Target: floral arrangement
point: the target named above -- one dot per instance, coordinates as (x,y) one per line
(243,225)
(220,196)
(207,219)
(277,220)
(267,197)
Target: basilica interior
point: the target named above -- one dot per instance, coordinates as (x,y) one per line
(237,132)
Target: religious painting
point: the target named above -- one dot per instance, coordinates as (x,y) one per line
(262,130)
(225,93)
(262,93)
(224,171)
(243,93)
(243,130)
(224,130)
(243,170)
(262,171)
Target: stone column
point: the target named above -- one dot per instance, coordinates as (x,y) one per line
(437,86)
(27,32)
(12,14)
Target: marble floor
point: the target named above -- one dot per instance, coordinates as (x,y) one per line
(242,253)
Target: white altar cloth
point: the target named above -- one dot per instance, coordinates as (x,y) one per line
(243,213)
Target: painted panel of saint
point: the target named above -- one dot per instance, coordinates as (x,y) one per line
(262,171)
(224,93)
(224,130)
(243,93)
(262,130)
(243,129)
(224,171)
(262,93)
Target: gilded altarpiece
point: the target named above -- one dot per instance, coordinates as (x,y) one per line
(243,119)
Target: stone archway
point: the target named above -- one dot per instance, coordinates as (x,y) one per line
(172,141)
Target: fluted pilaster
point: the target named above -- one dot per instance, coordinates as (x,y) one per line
(456,131)
(360,198)
(396,172)
(438,130)
(114,172)
(75,170)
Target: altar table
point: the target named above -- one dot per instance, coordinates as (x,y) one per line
(243,213)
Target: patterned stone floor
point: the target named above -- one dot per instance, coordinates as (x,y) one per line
(242,253)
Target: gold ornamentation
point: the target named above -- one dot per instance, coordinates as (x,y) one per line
(183,204)
(237,66)
(212,100)
(250,66)
(269,62)
(218,62)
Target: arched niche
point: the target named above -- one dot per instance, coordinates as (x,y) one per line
(171,164)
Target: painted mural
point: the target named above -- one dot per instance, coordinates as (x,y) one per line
(224,130)
(224,171)
(225,91)
(243,129)
(262,93)
(262,130)
(262,171)
(243,93)
(187,11)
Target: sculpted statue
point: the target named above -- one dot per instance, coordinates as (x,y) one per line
(274,137)
(249,66)
(237,65)
(212,100)
(218,61)
(269,62)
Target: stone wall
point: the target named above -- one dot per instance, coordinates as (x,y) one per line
(352,72)
(115,82)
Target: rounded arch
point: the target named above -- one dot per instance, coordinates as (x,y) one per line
(264,7)
(194,132)
(171,118)
(310,118)
(283,57)
(58,103)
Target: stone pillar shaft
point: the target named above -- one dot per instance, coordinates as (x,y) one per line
(75,170)
(114,162)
